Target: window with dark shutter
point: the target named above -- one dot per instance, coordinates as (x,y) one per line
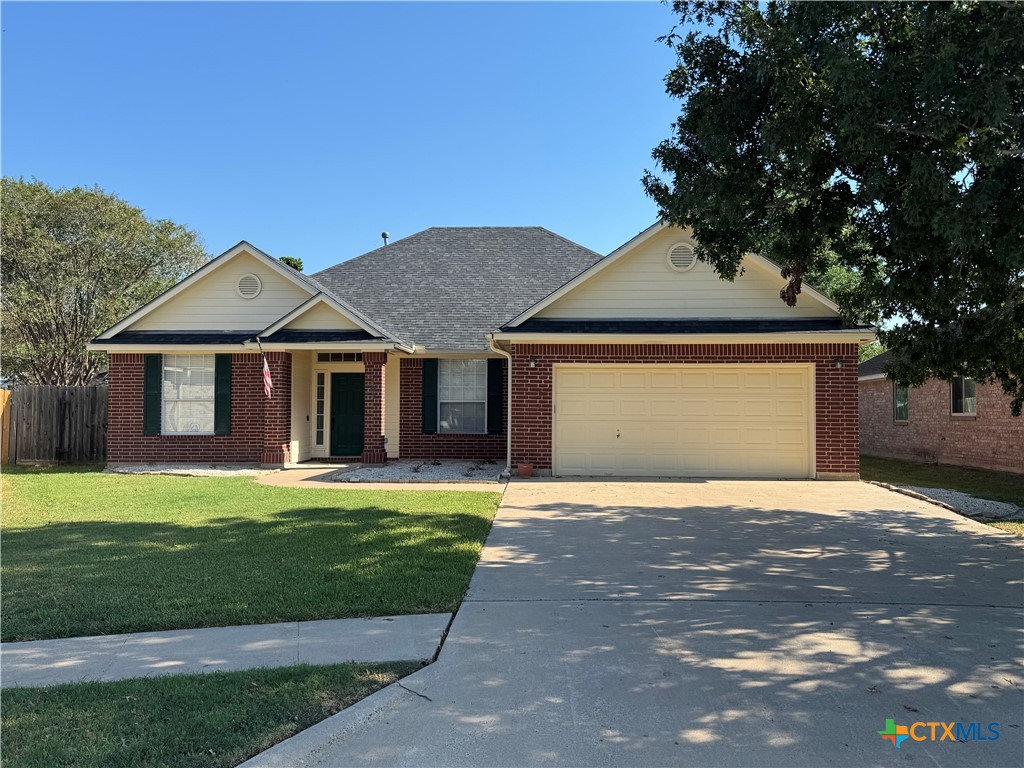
(494,410)
(152,375)
(430,396)
(222,396)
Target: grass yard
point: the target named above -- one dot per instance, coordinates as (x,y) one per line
(87,553)
(1010,527)
(191,721)
(998,486)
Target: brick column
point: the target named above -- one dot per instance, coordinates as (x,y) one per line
(277,411)
(374,365)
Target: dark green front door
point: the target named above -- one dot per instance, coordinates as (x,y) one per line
(346,414)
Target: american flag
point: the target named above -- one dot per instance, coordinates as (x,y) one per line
(268,383)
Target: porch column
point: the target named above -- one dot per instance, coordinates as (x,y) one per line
(277,411)
(374,365)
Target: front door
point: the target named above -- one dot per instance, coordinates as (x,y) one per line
(346,414)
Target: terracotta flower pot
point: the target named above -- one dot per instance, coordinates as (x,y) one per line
(526,470)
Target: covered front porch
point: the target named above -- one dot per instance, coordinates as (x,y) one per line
(344,406)
(329,403)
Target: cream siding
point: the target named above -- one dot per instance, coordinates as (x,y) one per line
(392,404)
(212,303)
(322,317)
(302,405)
(643,285)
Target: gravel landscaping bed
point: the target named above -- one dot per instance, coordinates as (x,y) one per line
(190,470)
(964,503)
(423,471)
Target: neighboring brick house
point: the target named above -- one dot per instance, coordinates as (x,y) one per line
(640,363)
(943,422)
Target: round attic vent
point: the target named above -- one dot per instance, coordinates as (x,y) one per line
(681,257)
(249,286)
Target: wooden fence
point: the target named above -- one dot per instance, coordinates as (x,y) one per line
(54,425)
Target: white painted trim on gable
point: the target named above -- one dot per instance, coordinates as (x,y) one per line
(628,247)
(203,271)
(872,377)
(341,308)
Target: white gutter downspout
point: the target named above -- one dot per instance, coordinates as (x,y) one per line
(508,397)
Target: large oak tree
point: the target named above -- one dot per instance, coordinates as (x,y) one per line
(885,138)
(74,262)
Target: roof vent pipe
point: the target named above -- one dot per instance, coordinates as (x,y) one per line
(385,235)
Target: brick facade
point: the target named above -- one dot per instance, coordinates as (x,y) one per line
(991,439)
(837,450)
(415,445)
(250,441)
(374,371)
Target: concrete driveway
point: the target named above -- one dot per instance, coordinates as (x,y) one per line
(719,623)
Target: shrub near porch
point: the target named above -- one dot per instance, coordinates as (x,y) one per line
(87,553)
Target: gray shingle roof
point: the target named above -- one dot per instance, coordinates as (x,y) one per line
(445,287)
(875,365)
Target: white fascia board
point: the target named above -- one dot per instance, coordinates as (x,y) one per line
(196,349)
(872,377)
(207,268)
(348,346)
(338,306)
(794,337)
(588,273)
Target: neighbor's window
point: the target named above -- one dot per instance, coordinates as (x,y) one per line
(462,396)
(188,387)
(964,399)
(900,402)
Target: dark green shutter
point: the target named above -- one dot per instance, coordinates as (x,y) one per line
(222,396)
(430,396)
(494,367)
(152,372)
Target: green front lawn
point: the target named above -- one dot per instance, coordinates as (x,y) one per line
(998,486)
(87,553)
(190,721)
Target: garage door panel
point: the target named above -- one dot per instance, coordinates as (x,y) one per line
(725,421)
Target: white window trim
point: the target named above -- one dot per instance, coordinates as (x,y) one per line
(163,399)
(440,401)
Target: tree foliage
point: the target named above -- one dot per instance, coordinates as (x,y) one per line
(74,262)
(292,261)
(879,140)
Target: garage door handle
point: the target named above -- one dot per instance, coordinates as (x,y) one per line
(617,434)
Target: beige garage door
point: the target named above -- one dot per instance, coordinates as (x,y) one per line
(683,421)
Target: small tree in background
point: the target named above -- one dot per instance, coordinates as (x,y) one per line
(883,140)
(292,261)
(73,263)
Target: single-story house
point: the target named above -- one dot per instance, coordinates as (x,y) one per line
(503,343)
(943,422)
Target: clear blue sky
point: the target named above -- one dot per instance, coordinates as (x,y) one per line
(307,129)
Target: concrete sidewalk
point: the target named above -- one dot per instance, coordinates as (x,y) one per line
(317,477)
(218,649)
